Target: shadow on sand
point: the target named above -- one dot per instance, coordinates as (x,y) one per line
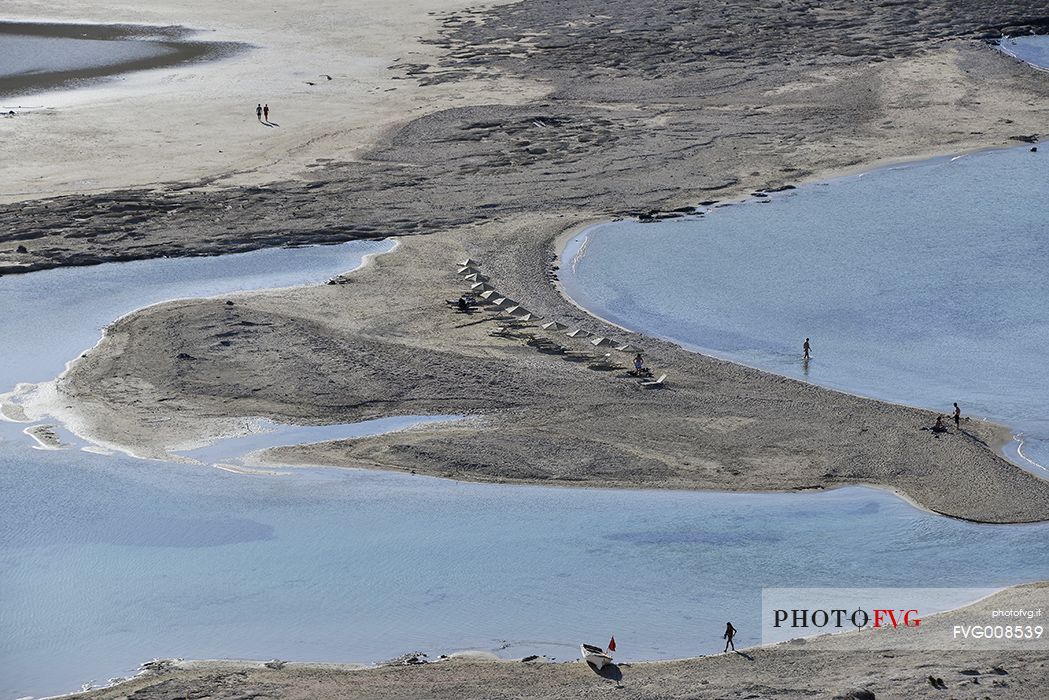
(610,672)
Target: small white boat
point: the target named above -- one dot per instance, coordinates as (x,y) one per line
(595,656)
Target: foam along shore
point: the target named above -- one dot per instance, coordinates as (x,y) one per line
(1032,49)
(830,666)
(50,56)
(39,352)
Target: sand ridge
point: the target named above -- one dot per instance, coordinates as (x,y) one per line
(382,341)
(509,126)
(501,181)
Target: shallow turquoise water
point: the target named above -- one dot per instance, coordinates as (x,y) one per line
(268,434)
(921,284)
(59,313)
(108,561)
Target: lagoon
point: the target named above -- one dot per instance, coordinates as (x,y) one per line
(922,284)
(108,561)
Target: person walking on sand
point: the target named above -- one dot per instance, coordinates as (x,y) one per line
(730,634)
(266,112)
(957,416)
(805,349)
(258,112)
(639,363)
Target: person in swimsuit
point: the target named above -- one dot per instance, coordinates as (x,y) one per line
(258,112)
(266,112)
(957,415)
(805,348)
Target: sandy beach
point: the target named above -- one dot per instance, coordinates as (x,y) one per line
(493,133)
(502,182)
(155,128)
(372,347)
(431,122)
(821,668)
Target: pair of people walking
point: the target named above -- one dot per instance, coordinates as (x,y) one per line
(263,113)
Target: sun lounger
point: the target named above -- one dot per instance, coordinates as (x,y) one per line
(572,356)
(657,384)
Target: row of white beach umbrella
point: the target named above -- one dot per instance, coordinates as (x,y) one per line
(468,270)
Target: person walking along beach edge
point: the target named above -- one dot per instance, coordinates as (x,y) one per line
(730,634)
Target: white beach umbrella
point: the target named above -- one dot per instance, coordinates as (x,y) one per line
(505,301)
(602,342)
(467,271)
(578,333)
(481,287)
(529,317)
(488,296)
(553,326)
(476,277)
(469,262)
(519,311)
(627,348)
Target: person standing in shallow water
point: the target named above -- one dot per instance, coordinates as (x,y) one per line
(266,112)
(730,634)
(258,112)
(805,349)
(957,416)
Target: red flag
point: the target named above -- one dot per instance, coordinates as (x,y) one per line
(612,643)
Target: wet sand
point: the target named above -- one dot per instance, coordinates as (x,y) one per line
(827,667)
